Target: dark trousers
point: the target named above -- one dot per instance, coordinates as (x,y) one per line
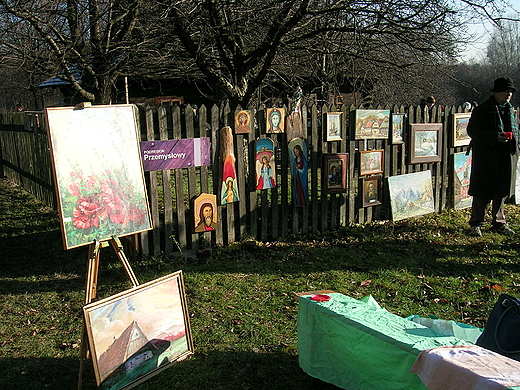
(480,207)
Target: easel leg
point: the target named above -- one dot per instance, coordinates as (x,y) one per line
(118,247)
(90,294)
(91,288)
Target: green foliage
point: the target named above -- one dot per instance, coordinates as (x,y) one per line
(105,206)
(242,310)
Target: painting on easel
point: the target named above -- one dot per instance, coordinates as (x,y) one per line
(137,333)
(98,173)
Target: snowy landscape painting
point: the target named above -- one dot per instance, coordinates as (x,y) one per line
(411,195)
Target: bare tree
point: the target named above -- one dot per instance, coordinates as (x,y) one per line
(89,41)
(502,59)
(240,44)
(503,50)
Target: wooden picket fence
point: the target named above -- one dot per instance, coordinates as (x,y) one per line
(265,215)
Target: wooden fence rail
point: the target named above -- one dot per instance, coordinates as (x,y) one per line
(265,215)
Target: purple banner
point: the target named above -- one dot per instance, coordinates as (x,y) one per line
(175,153)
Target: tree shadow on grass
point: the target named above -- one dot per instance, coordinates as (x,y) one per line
(217,370)
(212,371)
(44,373)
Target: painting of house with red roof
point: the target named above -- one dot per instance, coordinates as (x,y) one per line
(371,124)
(137,333)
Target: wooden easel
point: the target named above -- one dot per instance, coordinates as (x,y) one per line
(91,287)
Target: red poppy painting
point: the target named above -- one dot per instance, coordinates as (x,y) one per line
(100,184)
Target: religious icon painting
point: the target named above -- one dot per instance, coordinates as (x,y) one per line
(370,190)
(299,170)
(229,188)
(334,173)
(294,126)
(275,118)
(205,213)
(265,164)
(243,121)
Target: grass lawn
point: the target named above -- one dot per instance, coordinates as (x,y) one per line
(243,314)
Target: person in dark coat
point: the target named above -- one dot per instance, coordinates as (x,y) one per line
(494,141)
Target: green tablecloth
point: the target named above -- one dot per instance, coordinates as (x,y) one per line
(358,346)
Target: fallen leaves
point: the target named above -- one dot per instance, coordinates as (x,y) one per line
(365,283)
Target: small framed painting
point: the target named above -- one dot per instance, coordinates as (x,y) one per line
(243,121)
(371,124)
(139,332)
(205,212)
(462,173)
(397,134)
(371,162)
(275,120)
(459,130)
(370,190)
(335,173)
(425,141)
(334,128)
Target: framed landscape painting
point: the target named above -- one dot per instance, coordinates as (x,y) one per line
(139,332)
(371,161)
(411,195)
(334,126)
(397,134)
(425,143)
(371,124)
(335,173)
(98,173)
(459,131)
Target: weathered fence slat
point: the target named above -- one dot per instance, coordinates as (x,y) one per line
(166,186)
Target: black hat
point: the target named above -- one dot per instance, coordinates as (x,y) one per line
(502,84)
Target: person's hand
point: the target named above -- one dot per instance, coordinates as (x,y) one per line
(502,139)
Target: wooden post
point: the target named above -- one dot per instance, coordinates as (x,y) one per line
(91,288)
(118,247)
(90,294)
